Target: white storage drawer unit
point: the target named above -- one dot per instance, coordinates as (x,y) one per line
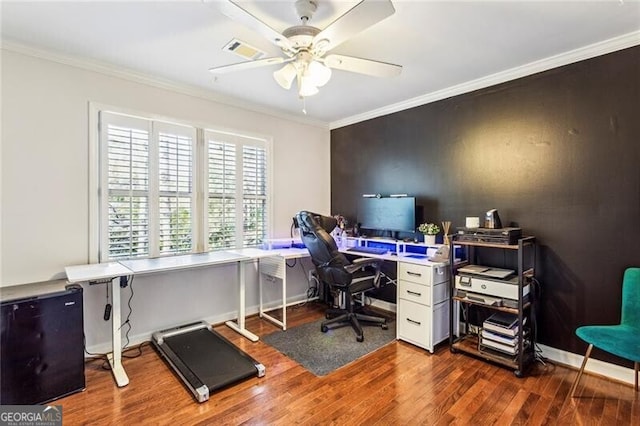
(423,310)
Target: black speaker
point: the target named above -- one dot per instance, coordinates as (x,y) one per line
(41,347)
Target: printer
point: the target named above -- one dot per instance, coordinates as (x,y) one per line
(495,287)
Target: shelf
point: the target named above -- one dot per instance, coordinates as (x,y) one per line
(524,265)
(497,308)
(525,240)
(469,344)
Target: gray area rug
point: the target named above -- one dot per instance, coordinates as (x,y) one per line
(321,353)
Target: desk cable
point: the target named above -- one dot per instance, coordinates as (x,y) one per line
(123,283)
(312,290)
(536,293)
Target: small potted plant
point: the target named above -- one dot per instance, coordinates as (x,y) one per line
(430,230)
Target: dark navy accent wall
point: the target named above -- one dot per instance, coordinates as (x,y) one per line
(557,153)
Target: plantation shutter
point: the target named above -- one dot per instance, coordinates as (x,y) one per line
(237,191)
(176,202)
(168,189)
(254,197)
(126,204)
(221,201)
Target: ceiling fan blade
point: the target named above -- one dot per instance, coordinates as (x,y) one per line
(248,65)
(360,17)
(238,14)
(362,66)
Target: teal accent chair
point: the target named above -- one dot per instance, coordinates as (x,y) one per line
(622,340)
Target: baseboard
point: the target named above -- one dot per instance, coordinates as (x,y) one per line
(595,366)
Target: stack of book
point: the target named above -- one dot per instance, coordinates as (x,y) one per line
(500,333)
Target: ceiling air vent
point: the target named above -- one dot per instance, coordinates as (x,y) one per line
(243,50)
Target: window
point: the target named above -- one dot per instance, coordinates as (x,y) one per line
(125,205)
(254,194)
(237,191)
(176,199)
(151,175)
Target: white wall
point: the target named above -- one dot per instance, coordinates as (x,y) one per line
(45,186)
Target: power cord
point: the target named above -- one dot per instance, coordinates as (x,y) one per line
(536,294)
(127,322)
(312,290)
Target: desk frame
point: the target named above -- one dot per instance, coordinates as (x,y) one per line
(239,325)
(274,267)
(129,268)
(112,272)
(271,263)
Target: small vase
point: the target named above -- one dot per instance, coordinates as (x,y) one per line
(429,239)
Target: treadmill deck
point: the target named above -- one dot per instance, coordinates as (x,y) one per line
(204,359)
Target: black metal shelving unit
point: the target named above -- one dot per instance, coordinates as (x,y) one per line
(467,341)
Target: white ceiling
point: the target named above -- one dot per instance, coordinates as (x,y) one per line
(440,44)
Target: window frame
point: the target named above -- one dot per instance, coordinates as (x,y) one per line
(240,141)
(98,226)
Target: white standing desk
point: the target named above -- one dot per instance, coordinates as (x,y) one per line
(99,272)
(114,271)
(173,263)
(272,263)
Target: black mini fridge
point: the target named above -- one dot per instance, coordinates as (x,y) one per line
(41,348)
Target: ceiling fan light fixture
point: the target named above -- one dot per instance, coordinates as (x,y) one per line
(306,87)
(285,75)
(318,73)
(305,46)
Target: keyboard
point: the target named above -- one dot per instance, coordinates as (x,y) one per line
(368,250)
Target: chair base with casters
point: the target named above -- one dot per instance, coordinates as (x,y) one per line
(349,316)
(622,339)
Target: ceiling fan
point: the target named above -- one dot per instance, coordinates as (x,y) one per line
(304,46)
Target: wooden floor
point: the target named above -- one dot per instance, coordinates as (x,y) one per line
(399,384)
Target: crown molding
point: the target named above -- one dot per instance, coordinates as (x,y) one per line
(566,58)
(151,80)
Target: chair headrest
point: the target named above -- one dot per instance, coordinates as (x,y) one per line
(309,221)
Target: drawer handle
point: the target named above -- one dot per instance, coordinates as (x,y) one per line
(413,322)
(415,274)
(414,293)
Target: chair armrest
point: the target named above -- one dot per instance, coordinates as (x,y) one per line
(362,262)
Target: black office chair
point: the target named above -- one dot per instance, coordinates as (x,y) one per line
(334,269)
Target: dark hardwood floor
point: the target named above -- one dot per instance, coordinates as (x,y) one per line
(399,384)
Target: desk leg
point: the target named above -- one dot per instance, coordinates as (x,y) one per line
(284,295)
(276,268)
(260,284)
(239,326)
(115,357)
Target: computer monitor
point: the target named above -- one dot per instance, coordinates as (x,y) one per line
(395,214)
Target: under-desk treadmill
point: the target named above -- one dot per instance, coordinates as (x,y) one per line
(204,359)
